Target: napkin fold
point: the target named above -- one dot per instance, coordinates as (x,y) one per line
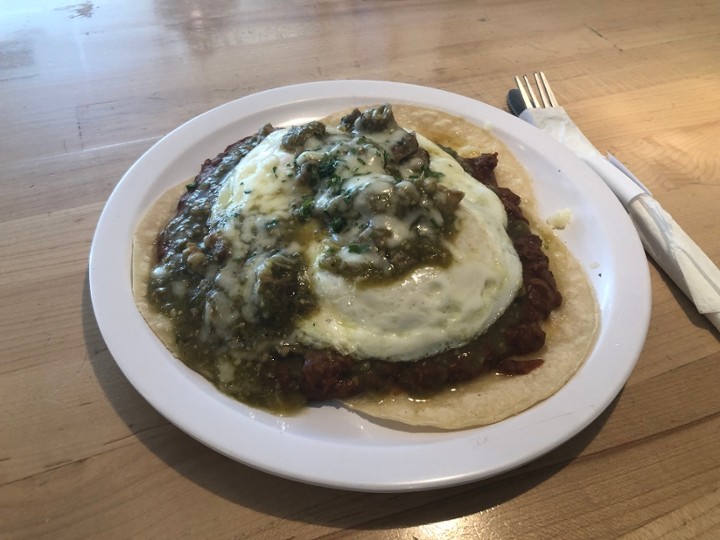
(664,240)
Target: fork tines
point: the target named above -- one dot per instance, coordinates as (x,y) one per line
(547,97)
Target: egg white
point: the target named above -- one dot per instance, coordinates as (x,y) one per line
(433,308)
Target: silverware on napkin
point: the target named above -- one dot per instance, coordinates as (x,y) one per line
(664,240)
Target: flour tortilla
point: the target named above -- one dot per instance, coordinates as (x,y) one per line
(144,258)
(571,329)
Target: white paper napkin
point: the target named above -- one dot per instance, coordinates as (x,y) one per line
(676,253)
(664,240)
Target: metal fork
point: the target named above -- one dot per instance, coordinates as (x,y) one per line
(547,97)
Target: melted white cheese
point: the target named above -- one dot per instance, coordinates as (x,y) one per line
(259,184)
(260,187)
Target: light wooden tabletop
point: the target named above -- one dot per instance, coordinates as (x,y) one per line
(86,88)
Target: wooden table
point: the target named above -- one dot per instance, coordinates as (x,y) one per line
(86,88)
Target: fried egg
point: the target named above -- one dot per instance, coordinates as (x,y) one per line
(433,308)
(426,311)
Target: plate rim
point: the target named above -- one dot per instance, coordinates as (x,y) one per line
(295,97)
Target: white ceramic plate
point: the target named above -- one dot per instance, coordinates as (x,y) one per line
(328,445)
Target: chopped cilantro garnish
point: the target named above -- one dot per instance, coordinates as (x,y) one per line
(326,167)
(338,224)
(335,184)
(358,248)
(306,207)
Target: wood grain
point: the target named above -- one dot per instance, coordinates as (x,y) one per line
(86,88)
